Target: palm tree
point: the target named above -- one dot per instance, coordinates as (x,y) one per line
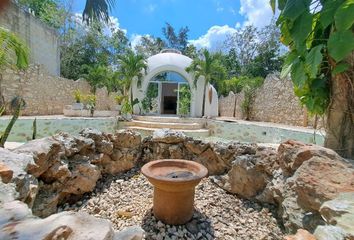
(13,53)
(131,66)
(97,10)
(208,66)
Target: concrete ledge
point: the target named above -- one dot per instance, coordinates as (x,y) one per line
(86,113)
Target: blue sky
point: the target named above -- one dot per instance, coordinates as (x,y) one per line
(209,21)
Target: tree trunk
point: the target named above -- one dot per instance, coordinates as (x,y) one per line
(203,107)
(340,117)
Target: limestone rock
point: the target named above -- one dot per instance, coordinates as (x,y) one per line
(330,233)
(66,225)
(101,140)
(5,173)
(212,162)
(250,174)
(340,212)
(130,233)
(168,136)
(320,179)
(74,145)
(126,139)
(7,192)
(83,178)
(47,199)
(44,152)
(196,146)
(301,234)
(291,155)
(19,164)
(13,211)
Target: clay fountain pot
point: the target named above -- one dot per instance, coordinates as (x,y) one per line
(174,184)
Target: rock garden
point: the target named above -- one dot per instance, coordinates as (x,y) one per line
(90,187)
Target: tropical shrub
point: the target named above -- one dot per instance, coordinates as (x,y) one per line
(78,96)
(320,38)
(184,100)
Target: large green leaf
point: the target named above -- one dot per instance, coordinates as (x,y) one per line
(289,60)
(328,10)
(272,4)
(341,67)
(298,75)
(313,60)
(294,8)
(344,17)
(302,27)
(341,44)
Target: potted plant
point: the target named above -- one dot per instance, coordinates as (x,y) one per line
(127,109)
(91,103)
(78,105)
(119,100)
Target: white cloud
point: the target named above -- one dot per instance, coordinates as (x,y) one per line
(136,39)
(257,12)
(219,8)
(214,38)
(109,28)
(151,8)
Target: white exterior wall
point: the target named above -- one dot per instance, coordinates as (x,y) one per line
(174,62)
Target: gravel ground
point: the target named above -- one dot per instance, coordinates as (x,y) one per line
(126,200)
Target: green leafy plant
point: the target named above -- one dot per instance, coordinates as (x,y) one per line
(131,66)
(13,53)
(184,100)
(320,38)
(91,103)
(34,129)
(2,110)
(208,66)
(17,104)
(119,99)
(127,108)
(151,94)
(78,96)
(249,86)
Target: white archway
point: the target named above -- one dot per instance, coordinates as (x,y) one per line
(174,62)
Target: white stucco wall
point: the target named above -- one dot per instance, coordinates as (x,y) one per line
(174,62)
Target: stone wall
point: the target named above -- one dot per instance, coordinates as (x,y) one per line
(42,40)
(274,101)
(45,94)
(230,106)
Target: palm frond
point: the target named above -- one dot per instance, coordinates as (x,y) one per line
(12,50)
(97,10)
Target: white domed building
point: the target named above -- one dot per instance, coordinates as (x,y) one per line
(164,88)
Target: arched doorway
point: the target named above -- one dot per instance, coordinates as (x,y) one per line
(168,93)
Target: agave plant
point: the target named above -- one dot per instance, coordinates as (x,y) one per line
(16,105)
(13,53)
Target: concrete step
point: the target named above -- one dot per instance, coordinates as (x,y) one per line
(169,119)
(170,125)
(198,133)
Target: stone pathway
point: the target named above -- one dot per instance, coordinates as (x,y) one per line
(126,200)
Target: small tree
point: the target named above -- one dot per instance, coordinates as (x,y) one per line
(320,37)
(208,66)
(131,66)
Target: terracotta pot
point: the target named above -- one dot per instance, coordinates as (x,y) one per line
(174,184)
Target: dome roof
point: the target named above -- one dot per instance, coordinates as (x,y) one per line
(168,59)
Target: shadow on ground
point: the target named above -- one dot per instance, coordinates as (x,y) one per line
(199,227)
